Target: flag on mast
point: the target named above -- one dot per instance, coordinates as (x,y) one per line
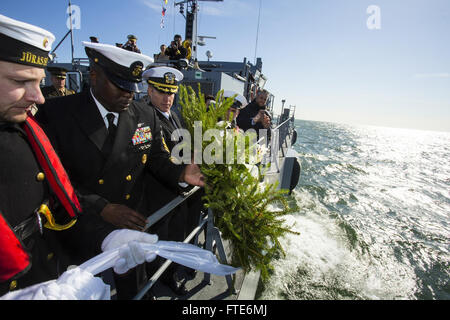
(163,13)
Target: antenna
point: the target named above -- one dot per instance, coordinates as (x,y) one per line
(257,29)
(201,40)
(191,22)
(71,28)
(53,54)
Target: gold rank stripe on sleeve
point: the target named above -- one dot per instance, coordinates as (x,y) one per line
(165,145)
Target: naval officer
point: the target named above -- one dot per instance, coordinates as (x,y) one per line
(233,112)
(176,226)
(107,141)
(162,87)
(43,220)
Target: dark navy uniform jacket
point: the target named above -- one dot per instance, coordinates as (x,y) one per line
(168,127)
(244,119)
(176,54)
(172,226)
(77,131)
(23,188)
(186,216)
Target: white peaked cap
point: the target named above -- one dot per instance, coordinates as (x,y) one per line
(27,33)
(239,97)
(159,72)
(118,55)
(164,79)
(122,67)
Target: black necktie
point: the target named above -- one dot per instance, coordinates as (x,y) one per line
(109,141)
(171,119)
(180,138)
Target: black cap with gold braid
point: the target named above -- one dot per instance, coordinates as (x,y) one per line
(164,79)
(24,43)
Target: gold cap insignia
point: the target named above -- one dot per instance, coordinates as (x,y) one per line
(136,69)
(169,78)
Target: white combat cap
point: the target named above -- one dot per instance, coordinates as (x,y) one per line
(24,43)
(164,79)
(239,98)
(124,68)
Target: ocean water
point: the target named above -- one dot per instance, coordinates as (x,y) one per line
(374,216)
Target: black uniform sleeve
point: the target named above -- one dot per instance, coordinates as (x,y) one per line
(159,163)
(84,239)
(183,52)
(244,119)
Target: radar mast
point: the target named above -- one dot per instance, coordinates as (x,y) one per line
(191,22)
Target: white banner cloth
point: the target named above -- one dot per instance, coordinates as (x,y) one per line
(79,283)
(182,253)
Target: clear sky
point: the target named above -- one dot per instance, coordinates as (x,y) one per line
(318,55)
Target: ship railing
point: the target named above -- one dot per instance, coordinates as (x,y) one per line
(80,61)
(284,133)
(212,236)
(280,136)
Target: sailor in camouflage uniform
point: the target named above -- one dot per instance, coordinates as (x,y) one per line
(131,44)
(58,87)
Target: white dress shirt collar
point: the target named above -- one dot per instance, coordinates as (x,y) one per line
(104,112)
(166,114)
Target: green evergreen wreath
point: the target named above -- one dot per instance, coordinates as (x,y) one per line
(243,206)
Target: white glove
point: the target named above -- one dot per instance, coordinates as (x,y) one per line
(75,284)
(131,252)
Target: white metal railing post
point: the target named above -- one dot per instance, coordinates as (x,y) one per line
(167,263)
